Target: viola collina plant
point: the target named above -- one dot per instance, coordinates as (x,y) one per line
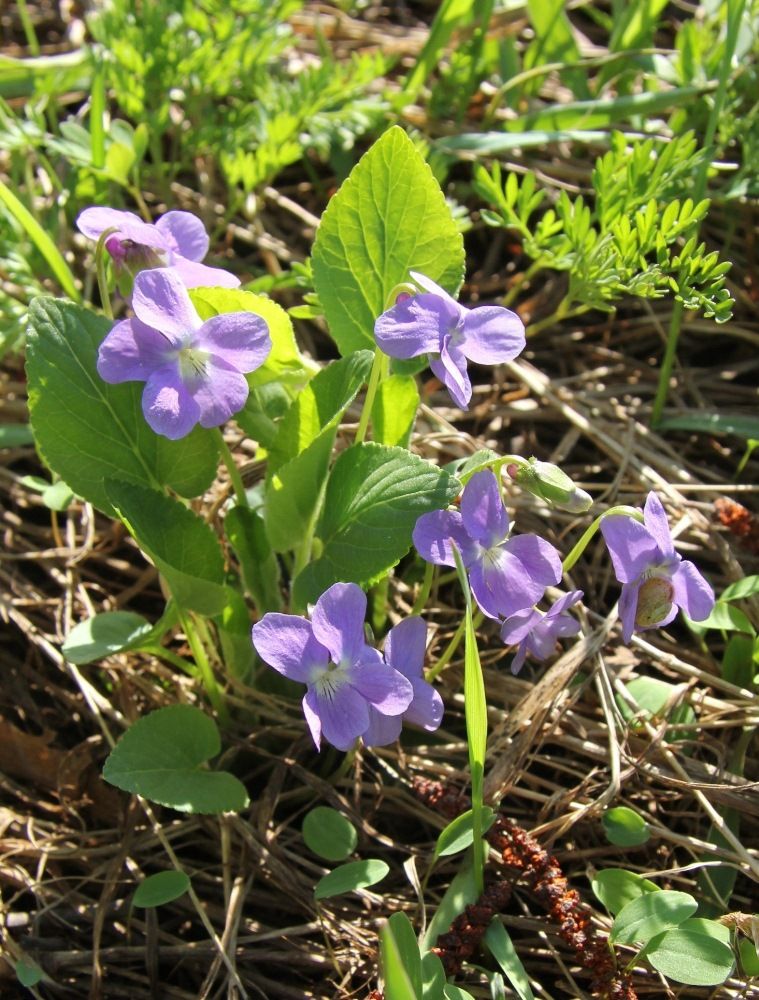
(326,524)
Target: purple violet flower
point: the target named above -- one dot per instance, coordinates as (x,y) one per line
(434,323)
(344,677)
(655,579)
(194,372)
(177,240)
(405,647)
(535,632)
(506,575)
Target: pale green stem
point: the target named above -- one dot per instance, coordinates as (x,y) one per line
(100,259)
(234,473)
(734,18)
(520,282)
(178,661)
(424,593)
(28,28)
(204,667)
(563,312)
(379,370)
(590,531)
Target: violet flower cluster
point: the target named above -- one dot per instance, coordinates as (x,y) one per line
(351,690)
(507,575)
(434,323)
(656,580)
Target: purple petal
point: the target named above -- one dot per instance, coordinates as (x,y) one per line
(184,233)
(131,351)
(564,602)
(655,519)
(286,643)
(383,729)
(194,275)
(160,300)
(92,222)
(501,586)
(344,715)
(338,622)
(434,534)
(385,688)
(692,593)
(517,627)
(628,605)
(220,394)
(415,325)
(544,636)
(167,404)
(482,511)
(632,547)
(539,558)
(406,646)
(241,339)
(426,708)
(518,662)
(492,335)
(434,289)
(450,368)
(312,716)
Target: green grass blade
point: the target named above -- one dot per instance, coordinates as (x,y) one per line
(97,113)
(452,14)
(41,240)
(713,423)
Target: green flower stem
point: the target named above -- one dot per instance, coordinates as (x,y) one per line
(735,9)
(590,531)
(424,592)
(177,661)
(234,473)
(105,295)
(520,282)
(204,666)
(563,312)
(380,367)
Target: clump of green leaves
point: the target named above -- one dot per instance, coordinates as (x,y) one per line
(634,238)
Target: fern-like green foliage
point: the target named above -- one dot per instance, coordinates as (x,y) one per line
(634,238)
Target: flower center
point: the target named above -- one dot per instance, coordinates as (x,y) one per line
(654,601)
(193,364)
(333,678)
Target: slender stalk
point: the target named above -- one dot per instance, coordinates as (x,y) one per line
(590,531)
(204,666)
(234,473)
(177,661)
(100,260)
(450,650)
(734,17)
(28,28)
(424,592)
(97,112)
(520,282)
(379,369)
(563,312)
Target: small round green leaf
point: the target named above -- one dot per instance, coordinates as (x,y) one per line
(28,972)
(347,878)
(616,887)
(329,834)
(163,887)
(651,914)
(162,756)
(104,634)
(624,827)
(689,957)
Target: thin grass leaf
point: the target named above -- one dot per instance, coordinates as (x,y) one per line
(41,240)
(452,14)
(713,423)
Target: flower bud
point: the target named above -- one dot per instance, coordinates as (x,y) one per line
(547,481)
